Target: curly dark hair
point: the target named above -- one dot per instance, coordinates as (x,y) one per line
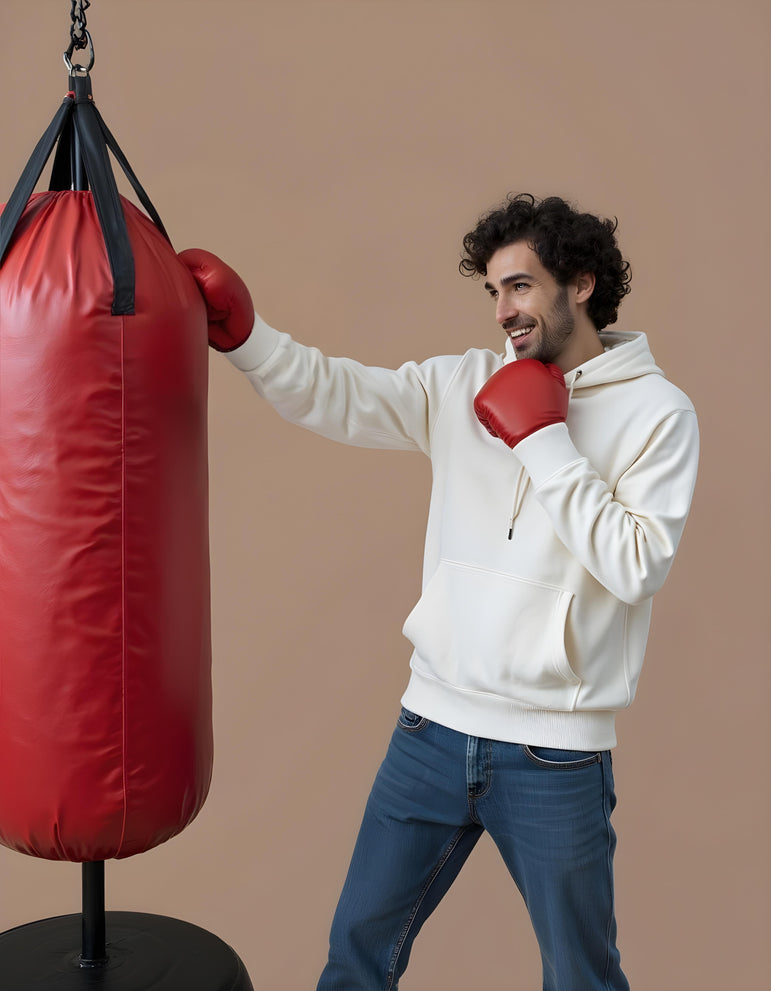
(567,243)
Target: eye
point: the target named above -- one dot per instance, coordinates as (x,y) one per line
(493,293)
(519,286)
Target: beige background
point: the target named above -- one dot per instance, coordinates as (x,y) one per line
(335,153)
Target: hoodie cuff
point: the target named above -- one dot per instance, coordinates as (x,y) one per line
(546,452)
(257,347)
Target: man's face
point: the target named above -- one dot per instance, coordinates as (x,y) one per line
(530,305)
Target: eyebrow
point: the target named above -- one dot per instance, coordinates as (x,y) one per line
(507,280)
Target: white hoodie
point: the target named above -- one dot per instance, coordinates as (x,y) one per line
(540,563)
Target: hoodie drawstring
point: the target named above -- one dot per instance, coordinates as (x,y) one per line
(576,377)
(521,486)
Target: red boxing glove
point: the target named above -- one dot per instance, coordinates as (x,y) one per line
(520,398)
(228,304)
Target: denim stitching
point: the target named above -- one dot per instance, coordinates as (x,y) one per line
(416,907)
(606,817)
(562,765)
(473,797)
(411,727)
(489,770)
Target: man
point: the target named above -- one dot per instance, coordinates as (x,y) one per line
(562,477)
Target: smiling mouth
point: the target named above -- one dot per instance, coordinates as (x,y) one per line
(522,332)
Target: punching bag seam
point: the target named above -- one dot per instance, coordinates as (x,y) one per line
(123,577)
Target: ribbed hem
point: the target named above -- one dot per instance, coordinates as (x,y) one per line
(257,347)
(494,718)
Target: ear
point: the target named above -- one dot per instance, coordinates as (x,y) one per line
(584,282)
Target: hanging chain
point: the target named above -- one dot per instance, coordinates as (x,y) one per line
(78,35)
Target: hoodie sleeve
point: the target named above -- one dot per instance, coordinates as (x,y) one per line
(627,537)
(340,398)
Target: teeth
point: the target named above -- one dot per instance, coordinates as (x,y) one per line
(520,333)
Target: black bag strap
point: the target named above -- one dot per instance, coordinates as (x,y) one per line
(65,164)
(106,198)
(142,196)
(81,160)
(62,173)
(17,201)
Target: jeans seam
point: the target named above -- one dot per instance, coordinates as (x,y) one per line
(473,797)
(611,899)
(416,907)
(488,770)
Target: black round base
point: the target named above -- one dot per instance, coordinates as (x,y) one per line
(144,953)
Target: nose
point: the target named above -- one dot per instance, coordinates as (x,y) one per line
(505,310)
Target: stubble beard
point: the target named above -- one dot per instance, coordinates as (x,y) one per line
(555,332)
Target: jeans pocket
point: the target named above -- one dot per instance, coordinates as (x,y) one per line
(561,760)
(411,721)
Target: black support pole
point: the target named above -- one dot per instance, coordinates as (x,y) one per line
(94,948)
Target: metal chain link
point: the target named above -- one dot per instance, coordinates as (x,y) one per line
(78,34)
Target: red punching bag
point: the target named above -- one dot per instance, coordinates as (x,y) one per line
(105,658)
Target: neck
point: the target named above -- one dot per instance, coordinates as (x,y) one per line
(582,345)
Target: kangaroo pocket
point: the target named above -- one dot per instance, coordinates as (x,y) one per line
(486,631)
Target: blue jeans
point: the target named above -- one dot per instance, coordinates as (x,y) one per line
(548,812)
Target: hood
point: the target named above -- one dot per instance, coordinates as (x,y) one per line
(626,356)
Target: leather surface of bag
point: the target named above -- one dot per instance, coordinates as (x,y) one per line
(105,643)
